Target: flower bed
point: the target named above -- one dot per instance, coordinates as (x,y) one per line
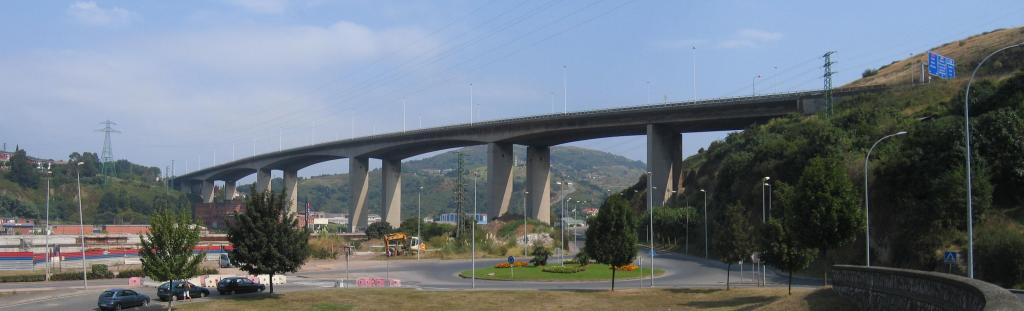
(517,264)
(629,267)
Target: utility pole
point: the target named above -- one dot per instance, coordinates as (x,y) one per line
(565,89)
(459,193)
(828,81)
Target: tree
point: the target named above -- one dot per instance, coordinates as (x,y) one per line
(1000,255)
(267,238)
(783,251)
(378,229)
(540,255)
(22,172)
(166,252)
(735,242)
(611,236)
(826,212)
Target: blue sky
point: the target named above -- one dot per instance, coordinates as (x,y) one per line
(191,79)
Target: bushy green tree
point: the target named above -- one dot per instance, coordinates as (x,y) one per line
(267,237)
(734,241)
(378,230)
(826,213)
(21,170)
(540,255)
(784,251)
(166,252)
(611,236)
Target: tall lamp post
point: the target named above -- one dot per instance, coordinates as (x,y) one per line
(705,223)
(526,232)
(473,234)
(81,222)
(764,182)
(650,227)
(46,239)
(419,220)
(867,219)
(967,143)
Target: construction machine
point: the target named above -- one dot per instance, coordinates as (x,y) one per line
(400,243)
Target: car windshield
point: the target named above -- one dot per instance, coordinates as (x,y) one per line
(108,293)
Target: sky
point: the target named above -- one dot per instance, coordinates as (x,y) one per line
(203,82)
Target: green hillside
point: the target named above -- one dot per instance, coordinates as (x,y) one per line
(128,196)
(593,173)
(918,206)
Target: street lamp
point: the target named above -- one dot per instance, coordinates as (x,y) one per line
(526,232)
(867,219)
(967,143)
(419,219)
(650,212)
(46,239)
(81,222)
(753,85)
(473,234)
(764,182)
(705,223)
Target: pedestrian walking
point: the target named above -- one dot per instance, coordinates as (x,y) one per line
(188,288)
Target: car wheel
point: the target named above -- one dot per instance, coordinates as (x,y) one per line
(117,306)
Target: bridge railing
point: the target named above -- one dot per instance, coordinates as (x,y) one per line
(879,288)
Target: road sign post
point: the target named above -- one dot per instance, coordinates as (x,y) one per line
(950,259)
(941,66)
(511,266)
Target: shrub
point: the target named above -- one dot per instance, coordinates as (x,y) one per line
(564,269)
(502,265)
(100,271)
(130,273)
(868,73)
(520,264)
(378,229)
(540,255)
(582,258)
(66,276)
(325,247)
(22,278)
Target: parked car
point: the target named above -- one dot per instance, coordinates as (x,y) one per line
(119,298)
(238,285)
(225,261)
(164,292)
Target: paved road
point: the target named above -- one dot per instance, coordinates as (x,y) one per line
(681,271)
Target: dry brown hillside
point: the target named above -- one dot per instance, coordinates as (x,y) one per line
(967,52)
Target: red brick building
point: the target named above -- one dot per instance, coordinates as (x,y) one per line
(216,215)
(126,229)
(72,229)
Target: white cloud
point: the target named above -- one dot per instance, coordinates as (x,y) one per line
(262,6)
(89,13)
(747,38)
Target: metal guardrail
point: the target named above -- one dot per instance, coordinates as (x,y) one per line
(703,102)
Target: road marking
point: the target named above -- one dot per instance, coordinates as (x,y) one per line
(32,301)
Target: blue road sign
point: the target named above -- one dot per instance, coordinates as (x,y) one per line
(941,66)
(949,257)
(511,259)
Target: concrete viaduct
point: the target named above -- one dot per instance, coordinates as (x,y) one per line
(663,125)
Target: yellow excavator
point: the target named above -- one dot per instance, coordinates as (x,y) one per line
(400,243)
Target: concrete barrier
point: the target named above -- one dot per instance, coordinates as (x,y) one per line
(135,282)
(377,282)
(879,288)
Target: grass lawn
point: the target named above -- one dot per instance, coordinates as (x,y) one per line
(594,272)
(628,299)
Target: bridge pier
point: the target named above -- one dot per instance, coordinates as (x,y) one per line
(663,145)
(291,190)
(677,163)
(359,181)
(538,182)
(391,192)
(500,160)
(206,191)
(230,189)
(262,180)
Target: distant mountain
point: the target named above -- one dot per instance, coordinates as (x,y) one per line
(593,173)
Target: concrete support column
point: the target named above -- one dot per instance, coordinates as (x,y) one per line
(538,182)
(677,163)
(500,162)
(391,192)
(263,180)
(359,181)
(291,190)
(206,191)
(659,161)
(195,187)
(230,190)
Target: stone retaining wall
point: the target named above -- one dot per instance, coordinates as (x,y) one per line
(878,288)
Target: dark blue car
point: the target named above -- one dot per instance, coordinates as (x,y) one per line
(120,298)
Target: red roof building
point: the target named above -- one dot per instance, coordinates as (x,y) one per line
(72,229)
(216,215)
(126,229)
